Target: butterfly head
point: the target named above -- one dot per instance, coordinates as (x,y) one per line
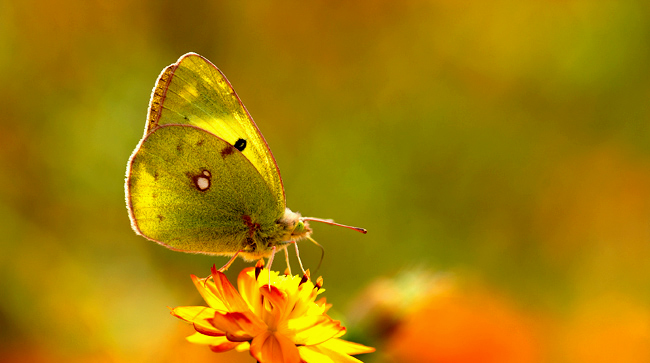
(295,227)
(301,230)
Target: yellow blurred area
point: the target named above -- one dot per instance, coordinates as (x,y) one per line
(505,143)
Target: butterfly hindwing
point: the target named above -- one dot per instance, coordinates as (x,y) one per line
(193,191)
(193,91)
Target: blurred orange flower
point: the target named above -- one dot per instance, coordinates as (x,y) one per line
(277,323)
(419,316)
(470,326)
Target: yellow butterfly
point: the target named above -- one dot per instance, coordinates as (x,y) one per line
(203,179)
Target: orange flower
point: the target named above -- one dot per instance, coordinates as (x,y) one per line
(278,323)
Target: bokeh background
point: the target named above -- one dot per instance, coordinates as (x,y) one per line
(498,153)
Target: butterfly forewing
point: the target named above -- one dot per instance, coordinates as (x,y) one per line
(192,191)
(193,91)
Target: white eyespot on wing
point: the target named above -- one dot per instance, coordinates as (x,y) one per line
(202,183)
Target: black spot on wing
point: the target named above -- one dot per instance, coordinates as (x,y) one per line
(240,144)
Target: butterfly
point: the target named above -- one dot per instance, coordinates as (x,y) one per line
(203,179)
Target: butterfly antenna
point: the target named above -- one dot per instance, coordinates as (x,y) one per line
(329,221)
(322,252)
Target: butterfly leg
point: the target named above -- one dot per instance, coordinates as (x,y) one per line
(272,257)
(299,260)
(227,265)
(286,257)
(271,263)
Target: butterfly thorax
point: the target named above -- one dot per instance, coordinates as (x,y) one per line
(288,229)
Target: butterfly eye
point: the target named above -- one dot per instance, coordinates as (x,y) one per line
(240,144)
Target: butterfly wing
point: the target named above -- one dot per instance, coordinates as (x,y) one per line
(193,91)
(192,191)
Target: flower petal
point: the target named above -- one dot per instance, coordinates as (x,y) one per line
(243,347)
(209,297)
(322,302)
(198,316)
(238,326)
(198,338)
(310,354)
(346,347)
(302,294)
(312,330)
(207,328)
(192,313)
(224,347)
(317,353)
(256,346)
(289,350)
(276,297)
(274,305)
(217,344)
(274,348)
(249,290)
(226,293)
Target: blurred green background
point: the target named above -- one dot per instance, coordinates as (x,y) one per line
(502,143)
